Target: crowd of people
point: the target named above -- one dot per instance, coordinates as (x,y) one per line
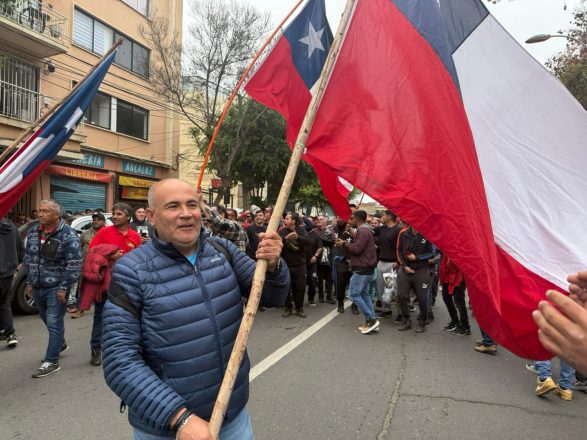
(150,261)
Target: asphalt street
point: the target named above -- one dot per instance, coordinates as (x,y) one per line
(334,384)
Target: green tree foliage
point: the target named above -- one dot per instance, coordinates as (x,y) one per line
(570,66)
(252,141)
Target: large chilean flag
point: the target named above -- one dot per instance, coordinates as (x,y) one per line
(26,165)
(285,80)
(436,112)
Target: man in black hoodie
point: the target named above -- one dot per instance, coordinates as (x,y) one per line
(11,255)
(413,253)
(295,238)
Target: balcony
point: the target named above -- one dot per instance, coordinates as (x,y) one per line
(33,27)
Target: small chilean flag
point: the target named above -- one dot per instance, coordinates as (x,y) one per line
(26,165)
(436,112)
(285,80)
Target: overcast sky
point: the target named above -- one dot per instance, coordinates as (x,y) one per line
(522,18)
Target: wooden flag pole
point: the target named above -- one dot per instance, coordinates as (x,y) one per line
(236,89)
(54,107)
(238,350)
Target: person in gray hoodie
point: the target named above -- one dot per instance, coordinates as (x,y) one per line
(11,255)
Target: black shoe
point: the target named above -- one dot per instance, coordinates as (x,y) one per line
(378,306)
(330,300)
(261,309)
(411,308)
(300,312)
(340,308)
(354,309)
(462,331)
(287,313)
(387,314)
(321,299)
(3,335)
(430,317)
(406,325)
(64,348)
(399,319)
(46,369)
(451,326)
(421,326)
(96,359)
(11,340)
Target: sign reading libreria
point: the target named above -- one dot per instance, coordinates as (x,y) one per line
(90,160)
(138,168)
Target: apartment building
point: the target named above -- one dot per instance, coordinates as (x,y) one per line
(129,138)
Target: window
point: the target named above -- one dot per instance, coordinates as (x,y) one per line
(19,89)
(99,111)
(132,120)
(141,6)
(94,35)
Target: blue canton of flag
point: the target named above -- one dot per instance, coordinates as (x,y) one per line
(310,38)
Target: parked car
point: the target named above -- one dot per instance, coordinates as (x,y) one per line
(21,303)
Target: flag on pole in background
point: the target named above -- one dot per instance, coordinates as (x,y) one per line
(437,113)
(26,165)
(284,82)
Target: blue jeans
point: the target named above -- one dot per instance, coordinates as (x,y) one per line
(237,429)
(359,294)
(96,340)
(487,341)
(567,376)
(52,313)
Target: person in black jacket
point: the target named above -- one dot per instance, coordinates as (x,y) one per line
(11,256)
(413,254)
(295,238)
(253,232)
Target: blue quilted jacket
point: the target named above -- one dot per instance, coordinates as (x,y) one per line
(169,328)
(58,263)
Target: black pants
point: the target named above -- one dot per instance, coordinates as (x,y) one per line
(311,277)
(456,304)
(343,277)
(420,282)
(298,287)
(6,324)
(324,276)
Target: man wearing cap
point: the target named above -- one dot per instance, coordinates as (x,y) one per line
(98,222)
(126,239)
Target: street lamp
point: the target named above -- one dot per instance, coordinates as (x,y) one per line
(539,38)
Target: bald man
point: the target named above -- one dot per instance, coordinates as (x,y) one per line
(173,312)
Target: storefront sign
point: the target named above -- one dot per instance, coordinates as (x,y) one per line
(138,168)
(90,160)
(133,193)
(135,182)
(77,173)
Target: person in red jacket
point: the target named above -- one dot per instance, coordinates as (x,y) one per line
(125,239)
(453,294)
(96,273)
(363,257)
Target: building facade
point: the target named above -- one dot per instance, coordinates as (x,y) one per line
(129,138)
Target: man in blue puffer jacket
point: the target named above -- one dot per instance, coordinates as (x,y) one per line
(173,312)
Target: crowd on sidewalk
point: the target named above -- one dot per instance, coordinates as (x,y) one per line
(378,262)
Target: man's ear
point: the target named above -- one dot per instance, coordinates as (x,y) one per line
(150,216)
